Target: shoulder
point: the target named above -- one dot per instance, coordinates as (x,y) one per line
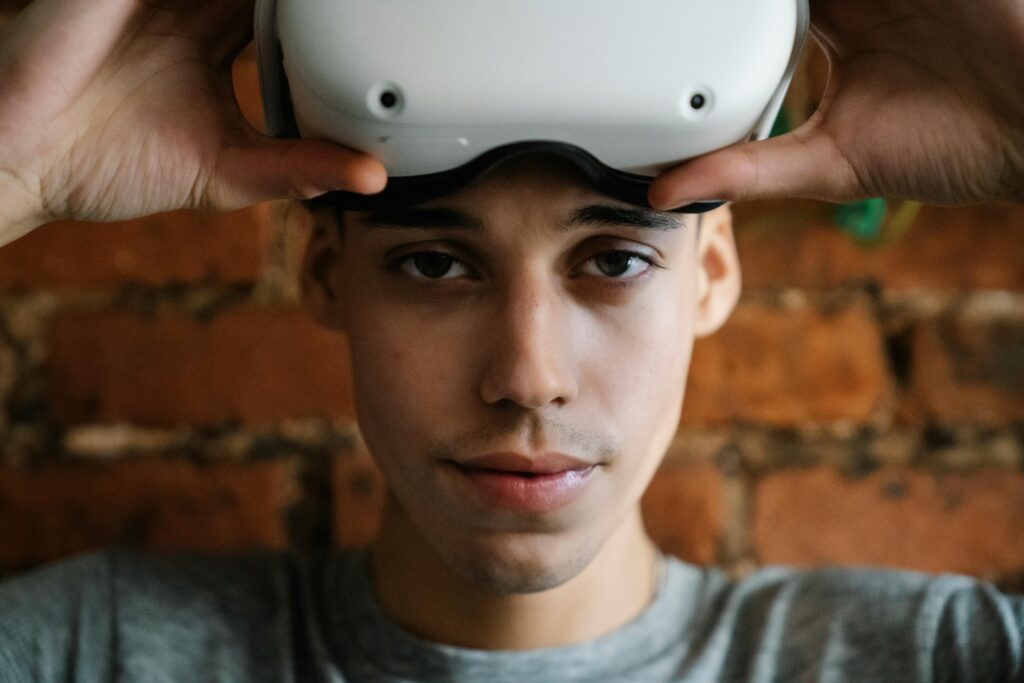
(58,591)
(896,625)
(50,611)
(73,620)
(225,613)
(198,583)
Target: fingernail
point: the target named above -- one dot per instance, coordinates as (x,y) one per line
(372,183)
(669,204)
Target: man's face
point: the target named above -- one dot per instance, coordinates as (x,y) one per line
(525,314)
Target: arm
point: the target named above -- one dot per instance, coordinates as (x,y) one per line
(19,212)
(974,632)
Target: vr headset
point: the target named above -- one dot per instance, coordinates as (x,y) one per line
(443,91)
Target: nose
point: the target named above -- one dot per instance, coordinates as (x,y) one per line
(529,360)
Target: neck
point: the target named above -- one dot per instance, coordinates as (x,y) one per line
(421,592)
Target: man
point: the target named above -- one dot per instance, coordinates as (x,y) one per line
(520,350)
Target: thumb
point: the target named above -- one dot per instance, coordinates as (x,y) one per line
(803,163)
(266,169)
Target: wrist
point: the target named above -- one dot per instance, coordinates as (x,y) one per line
(1017,177)
(21,210)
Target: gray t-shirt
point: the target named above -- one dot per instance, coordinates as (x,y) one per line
(126,616)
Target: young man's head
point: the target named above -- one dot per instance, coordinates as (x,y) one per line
(525,314)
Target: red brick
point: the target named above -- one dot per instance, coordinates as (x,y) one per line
(967,523)
(253,365)
(795,244)
(151,504)
(967,372)
(787,368)
(684,510)
(684,507)
(8,374)
(359,491)
(157,250)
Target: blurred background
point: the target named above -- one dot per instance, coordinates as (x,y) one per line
(161,388)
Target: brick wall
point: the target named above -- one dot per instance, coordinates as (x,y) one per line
(161,388)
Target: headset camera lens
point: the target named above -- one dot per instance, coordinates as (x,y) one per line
(388,99)
(698,101)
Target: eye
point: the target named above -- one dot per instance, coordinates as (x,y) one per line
(431,265)
(618,264)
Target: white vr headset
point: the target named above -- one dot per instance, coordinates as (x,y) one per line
(443,91)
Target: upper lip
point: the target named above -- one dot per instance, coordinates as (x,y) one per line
(548,463)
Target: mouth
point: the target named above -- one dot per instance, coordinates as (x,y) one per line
(549,463)
(514,482)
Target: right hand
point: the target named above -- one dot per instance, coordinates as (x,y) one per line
(116,109)
(925,101)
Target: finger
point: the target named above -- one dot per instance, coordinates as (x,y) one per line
(268,169)
(804,163)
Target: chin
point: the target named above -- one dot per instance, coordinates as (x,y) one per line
(515,564)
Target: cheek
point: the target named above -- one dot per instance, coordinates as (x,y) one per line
(404,375)
(636,364)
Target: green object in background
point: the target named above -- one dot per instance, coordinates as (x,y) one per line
(781,125)
(863,220)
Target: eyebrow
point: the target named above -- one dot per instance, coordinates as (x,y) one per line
(600,215)
(593,216)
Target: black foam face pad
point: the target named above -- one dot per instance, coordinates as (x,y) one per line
(411,190)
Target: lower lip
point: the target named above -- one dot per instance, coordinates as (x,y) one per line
(537,493)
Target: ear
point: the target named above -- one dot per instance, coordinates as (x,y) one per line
(321,283)
(718,272)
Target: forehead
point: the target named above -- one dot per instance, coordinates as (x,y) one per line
(531,192)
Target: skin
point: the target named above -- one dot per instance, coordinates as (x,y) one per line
(527,346)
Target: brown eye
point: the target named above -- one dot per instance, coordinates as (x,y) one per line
(618,264)
(615,263)
(431,265)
